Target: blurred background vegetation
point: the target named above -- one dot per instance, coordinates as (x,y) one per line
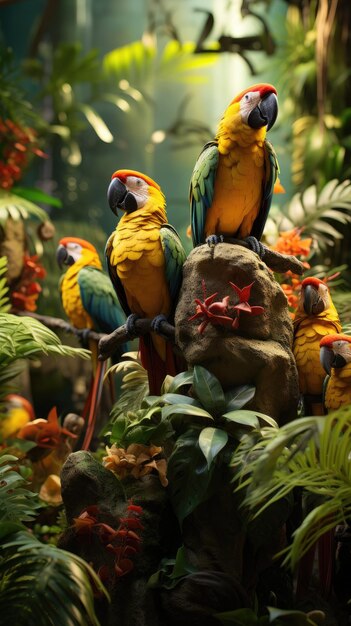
(109,84)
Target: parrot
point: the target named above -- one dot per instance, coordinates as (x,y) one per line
(234,176)
(18,412)
(145,258)
(335,355)
(316,317)
(89,301)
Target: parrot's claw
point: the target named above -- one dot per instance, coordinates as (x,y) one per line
(130,325)
(256,246)
(213,240)
(83,336)
(156,323)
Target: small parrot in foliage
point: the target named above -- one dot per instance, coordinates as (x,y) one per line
(145,258)
(316,317)
(90,302)
(335,354)
(18,412)
(234,177)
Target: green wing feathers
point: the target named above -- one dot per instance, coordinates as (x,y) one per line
(99,299)
(175,256)
(202,189)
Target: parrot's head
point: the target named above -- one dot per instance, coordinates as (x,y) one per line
(130,190)
(14,403)
(71,249)
(335,351)
(256,107)
(314,296)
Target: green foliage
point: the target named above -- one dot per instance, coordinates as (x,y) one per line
(40,584)
(44,585)
(312,453)
(316,211)
(20,208)
(17,503)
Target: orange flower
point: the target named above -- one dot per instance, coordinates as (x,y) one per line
(290,242)
(137,460)
(46,433)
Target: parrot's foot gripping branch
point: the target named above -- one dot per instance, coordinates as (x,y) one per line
(213,240)
(256,246)
(156,324)
(130,325)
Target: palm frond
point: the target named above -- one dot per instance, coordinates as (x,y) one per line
(311,453)
(25,337)
(43,585)
(19,208)
(315,211)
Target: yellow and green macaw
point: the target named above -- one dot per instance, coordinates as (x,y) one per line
(234,177)
(90,302)
(316,317)
(145,258)
(17,412)
(335,354)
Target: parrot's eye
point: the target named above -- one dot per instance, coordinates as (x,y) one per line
(133,181)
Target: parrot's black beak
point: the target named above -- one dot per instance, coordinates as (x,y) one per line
(265,113)
(312,303)
(329,359)
(62,256)
(120,198)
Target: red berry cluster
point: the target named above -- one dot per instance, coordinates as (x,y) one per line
(27,290)
(17,144)
(124,543)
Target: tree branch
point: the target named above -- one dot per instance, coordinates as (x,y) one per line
(109,343)
(276,261)
(58,324)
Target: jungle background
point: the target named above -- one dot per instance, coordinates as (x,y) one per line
(91,86)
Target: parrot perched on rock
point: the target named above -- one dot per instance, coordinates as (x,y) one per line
(335,354)
(316,317)
(145,258)
(233,179)
(90,302)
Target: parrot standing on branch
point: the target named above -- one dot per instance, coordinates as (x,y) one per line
(234,177)
(316,317)
(90,302)
(145,258)
(335,354)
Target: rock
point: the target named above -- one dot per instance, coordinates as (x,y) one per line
(259,351)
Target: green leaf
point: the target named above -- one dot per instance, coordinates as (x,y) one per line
(97,123)
(185,409)
(188,474)
(208,390)
(239,396)
(37,195)
(180,380)
(244,418)
(178,398)
(211,442)
(295,618)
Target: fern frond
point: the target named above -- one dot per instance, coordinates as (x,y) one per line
(17,504)
(43,585)
(135,385)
